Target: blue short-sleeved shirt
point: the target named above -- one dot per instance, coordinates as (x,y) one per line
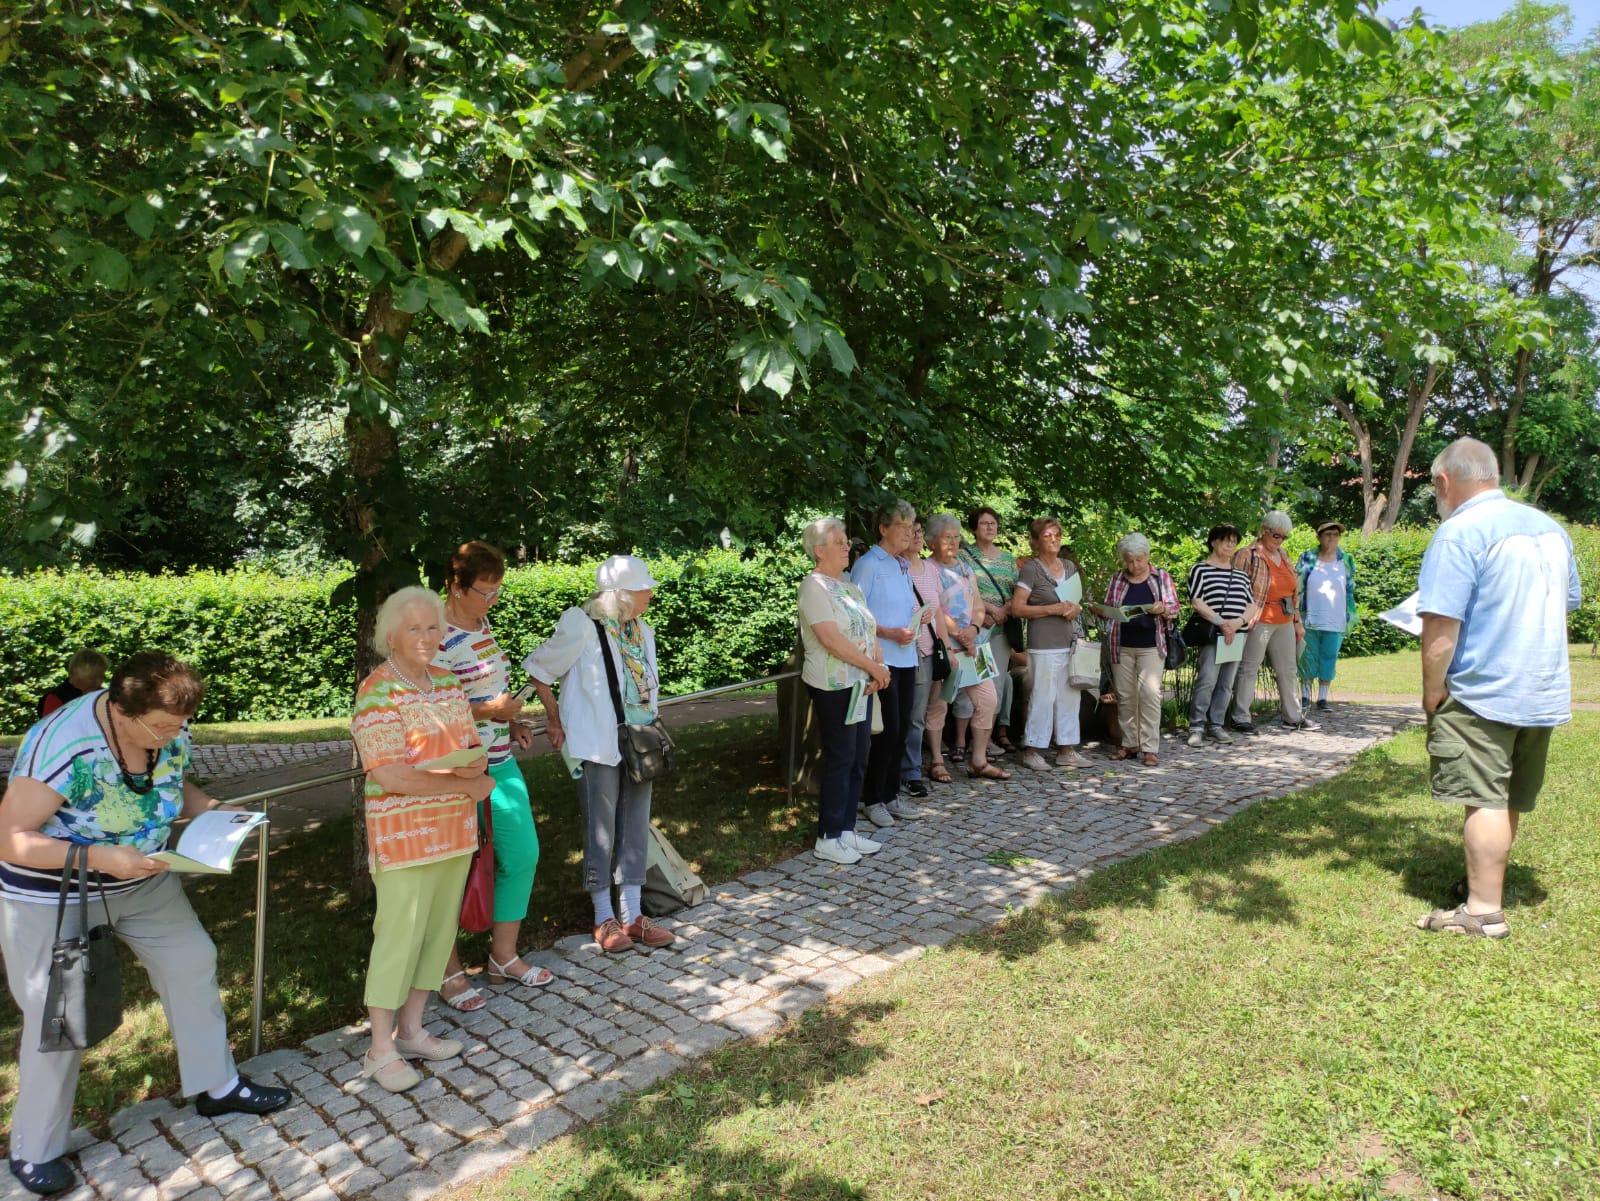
(886,583)
(1507,573)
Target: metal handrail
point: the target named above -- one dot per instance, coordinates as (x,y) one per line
(262,796)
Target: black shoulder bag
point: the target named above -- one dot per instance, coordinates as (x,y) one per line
(83,1004)
(647,751)
(1014,628)
(940,665)
(1176,650)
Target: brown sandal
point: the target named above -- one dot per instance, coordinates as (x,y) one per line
(939,774)
(987,771)
(1124,752)
(1149,760)
(1459,921)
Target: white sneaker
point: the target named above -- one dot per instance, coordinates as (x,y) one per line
(1221,736)
(900,807)
(879,815)
(1034,761)
(1196,737)
(1070,758)
(861,846)
(836,850)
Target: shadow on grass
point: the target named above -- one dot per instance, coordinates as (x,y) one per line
(665,1142)
(1358,820)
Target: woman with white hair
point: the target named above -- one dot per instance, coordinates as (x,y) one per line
(422,827)
(839,636)
(1137,645)
(616,811)
(1278,633)
(962,612)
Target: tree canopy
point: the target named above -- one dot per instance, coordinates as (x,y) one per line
(577,276)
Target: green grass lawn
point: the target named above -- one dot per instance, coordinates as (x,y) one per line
(1247,1015)
(725,811)
(1400,674)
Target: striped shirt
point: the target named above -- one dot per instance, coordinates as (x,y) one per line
(1224,590)
(67,753)
(480,665)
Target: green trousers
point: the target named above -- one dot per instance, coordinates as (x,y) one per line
(516,842)
(419,909)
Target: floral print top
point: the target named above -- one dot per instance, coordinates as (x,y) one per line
(823,598)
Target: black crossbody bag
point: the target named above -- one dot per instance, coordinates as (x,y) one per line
(83,1003)
(647,751)
(940,665)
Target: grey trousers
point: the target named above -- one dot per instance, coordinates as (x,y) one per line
(1274,645)
(616,827)
(1213,688)
(156,922)
(917,721)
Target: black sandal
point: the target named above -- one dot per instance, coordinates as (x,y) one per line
(52,1176)
(958,754)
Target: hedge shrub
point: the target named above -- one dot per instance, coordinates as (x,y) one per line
(276,647)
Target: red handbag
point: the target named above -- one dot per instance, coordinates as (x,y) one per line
(477,903)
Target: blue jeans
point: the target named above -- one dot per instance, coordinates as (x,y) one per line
(917,721)
(1213,688)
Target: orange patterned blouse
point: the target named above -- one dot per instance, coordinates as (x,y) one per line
(394,723)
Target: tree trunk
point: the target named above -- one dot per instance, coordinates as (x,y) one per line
(1417,395)
(1371,499)
(1270,482)
(1508,436)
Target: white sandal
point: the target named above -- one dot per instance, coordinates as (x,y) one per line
(534,977)
(468,1000)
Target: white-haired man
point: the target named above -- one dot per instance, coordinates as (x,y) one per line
(1497,583)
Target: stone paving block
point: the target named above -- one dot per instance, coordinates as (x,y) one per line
(641,1071)
(702,1040)
(591,1100)
(343,1039)
(536,1129)
(428,1139)
(413,1186)
(362,1183)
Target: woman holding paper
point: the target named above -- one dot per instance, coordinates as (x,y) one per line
(1224,605)
(1140,601)
(842,665)
(962,611)
(1049,596)
(422,827)
(108,771)
(469,649)
(616,811)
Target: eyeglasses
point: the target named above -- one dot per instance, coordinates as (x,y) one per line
(491,597)
(1278,534)
(163,735)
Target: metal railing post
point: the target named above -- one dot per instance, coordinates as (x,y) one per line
(256,992)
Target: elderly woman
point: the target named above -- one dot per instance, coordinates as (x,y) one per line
(107,772)
(885,581)
(1278,631)
(962,612)
(1137,645)
(925,587)
(616,811)
(422,827)
(1040,596)
(840,639)
(1220,595)
(996,573)
(470,651)
(1327,610)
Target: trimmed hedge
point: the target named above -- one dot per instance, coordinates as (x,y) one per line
(276,647)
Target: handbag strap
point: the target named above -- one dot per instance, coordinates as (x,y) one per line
(66,884)
(611,671)
(932,633)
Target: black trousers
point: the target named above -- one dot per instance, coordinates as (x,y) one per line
(844,760)
(883,764)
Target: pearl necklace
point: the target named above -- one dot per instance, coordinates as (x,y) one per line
(427,693)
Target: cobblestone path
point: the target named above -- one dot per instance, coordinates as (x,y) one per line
(761,949)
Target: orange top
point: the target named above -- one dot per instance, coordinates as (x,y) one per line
(394,723)
(1280,587)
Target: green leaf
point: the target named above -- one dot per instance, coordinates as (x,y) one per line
(844,359)
(239,253)
(412,295)
(355,229)
(110,268)
(292,246)
(141,217)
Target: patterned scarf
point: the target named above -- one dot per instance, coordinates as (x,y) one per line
(638,686)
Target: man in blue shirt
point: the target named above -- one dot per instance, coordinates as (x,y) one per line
(885,581)
(1498,581)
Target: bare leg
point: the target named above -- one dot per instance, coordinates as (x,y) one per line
(979,758)
(408,1020)
(961,731)
(503,946)
(454,988)
(382,1031)
(1487,835)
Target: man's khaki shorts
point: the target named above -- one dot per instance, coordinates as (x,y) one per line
(1483,763)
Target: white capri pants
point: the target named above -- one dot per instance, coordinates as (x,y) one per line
(1053,704)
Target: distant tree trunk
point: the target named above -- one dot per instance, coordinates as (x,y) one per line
(1519,392)
(1371,498)
(1417,394)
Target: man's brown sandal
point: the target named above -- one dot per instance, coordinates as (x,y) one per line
(1459,921)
